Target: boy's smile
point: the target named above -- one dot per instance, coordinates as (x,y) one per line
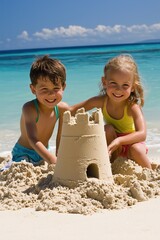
(47,93)
(51,101)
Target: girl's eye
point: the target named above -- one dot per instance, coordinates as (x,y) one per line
(112,83)
(126,86)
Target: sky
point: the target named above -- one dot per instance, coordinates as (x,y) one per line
(59,23)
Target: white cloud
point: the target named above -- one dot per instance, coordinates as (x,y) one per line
(74,35)
(73,31)
(109,30)
(155,27)
(24,35)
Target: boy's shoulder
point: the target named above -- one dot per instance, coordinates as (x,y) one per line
(29,104)
(29,108)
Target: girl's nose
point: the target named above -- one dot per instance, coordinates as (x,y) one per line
(118,88)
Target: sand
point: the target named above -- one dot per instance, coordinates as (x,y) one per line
(33,206)
(139,222)
(24,185)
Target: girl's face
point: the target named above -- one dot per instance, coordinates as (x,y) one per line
(47,93)
(118,85)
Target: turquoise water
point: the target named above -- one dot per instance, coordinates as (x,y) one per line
(84,70)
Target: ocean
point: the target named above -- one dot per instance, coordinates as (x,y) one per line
(84,67)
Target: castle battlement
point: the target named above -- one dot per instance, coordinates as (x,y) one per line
(92,124)
(83,153)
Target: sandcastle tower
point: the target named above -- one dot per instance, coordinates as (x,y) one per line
(82,153)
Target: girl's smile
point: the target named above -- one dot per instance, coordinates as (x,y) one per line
(118,84)
(117,95)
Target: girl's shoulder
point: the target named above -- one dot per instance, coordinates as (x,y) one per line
(99,101)
(133,108)
(62,107)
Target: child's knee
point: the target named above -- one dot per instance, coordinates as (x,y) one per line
(137,148)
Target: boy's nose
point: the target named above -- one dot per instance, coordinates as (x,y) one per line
(51,92)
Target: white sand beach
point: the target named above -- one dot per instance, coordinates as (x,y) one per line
(138,222)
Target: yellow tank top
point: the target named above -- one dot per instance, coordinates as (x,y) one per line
(123,125)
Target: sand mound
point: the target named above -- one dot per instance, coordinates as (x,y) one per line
(24,185)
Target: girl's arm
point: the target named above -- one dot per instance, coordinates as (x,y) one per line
(94,102)
(140,130)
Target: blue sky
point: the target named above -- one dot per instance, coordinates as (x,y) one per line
(59,23)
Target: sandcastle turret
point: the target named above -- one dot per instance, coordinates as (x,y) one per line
(82,153)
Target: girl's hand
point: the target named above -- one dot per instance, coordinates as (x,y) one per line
(115,144)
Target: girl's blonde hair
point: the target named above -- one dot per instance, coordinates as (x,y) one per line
(126,63)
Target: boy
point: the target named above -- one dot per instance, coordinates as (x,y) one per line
(39,116)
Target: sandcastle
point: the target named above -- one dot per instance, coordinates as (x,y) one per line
(83,153)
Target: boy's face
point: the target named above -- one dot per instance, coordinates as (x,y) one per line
(47,93)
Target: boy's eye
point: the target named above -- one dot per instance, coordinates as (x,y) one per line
(56,89)
(43,89)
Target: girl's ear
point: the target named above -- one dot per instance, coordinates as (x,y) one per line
(32,89)
(133,88)
(103,80)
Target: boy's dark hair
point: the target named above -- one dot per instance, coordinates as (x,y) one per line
(50,68)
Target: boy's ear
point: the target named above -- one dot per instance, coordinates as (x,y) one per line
(32,89)
(64,86)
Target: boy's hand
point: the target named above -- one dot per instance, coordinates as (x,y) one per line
(53,160)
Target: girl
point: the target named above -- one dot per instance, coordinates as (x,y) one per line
(121,100)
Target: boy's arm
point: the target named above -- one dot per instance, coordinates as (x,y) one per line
(62,106)
(94,102)
(35,143)
(140,130)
